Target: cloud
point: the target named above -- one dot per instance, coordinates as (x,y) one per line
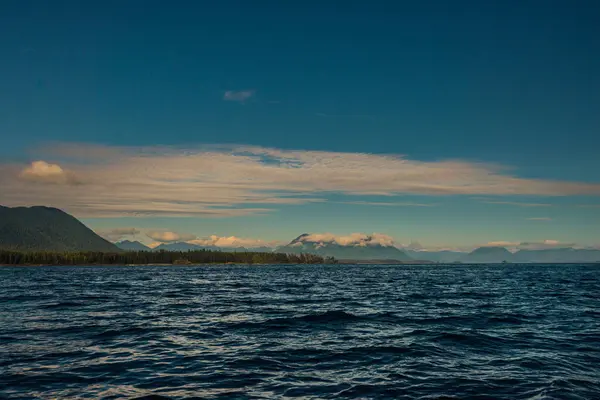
(231,181)
(388,204)
(169,237)
(124,231)
(41,171)
(117,233)
(354,239)
(413,245)
(518,204)
(501,243)
(545,244)
(232,241)
(539,219)
(239,96)
(160,237)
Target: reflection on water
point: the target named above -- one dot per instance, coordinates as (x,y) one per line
(513,332)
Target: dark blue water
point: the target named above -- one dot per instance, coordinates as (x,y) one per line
(502,332)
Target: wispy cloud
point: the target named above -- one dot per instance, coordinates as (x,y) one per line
(229,181)
(388,204)
(117,233)
(239,95)
(545,244)
(501,243)
(517,203)
(539,219)
(542,245)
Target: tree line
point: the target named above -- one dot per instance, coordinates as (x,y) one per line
(9,257)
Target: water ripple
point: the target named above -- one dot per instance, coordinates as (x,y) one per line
(208,332)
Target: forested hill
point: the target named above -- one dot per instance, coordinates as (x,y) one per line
(8,257)
(45,228)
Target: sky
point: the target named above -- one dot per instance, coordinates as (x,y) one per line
(448,123)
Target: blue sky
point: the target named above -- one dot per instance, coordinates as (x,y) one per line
(513,86)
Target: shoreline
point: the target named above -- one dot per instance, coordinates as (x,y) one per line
(263,264)
(149,265)
(123,265)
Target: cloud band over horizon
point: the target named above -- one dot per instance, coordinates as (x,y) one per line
(229,181)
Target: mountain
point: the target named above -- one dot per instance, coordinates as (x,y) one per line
(381,262)
(132,246)
(442,256)
(562,255)
(483,255)
(180,246)
(500,254)
(184,246)
(353,251)
(262,249)
(49,229)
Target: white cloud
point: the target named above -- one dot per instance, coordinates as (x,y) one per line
(226,181)
(232,241)
(354,239)
(41,171)
(169,237)
(239,95)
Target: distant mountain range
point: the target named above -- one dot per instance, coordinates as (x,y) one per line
(184,246)
(442,256)
(48,229)
(559,255)
(179,246)
(355,251)
(487,255)
(482,255)
(132,245)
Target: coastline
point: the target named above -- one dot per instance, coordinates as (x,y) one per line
(147,265)
(342,262)
(122,265)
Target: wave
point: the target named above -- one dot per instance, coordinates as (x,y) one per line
(327,318)
(63,304)
(335,332)
(128,331)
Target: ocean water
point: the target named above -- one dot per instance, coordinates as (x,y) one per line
(267,332)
